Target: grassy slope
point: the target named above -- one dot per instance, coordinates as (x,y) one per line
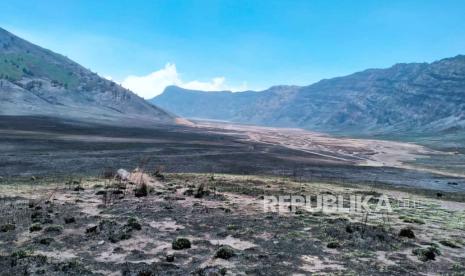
(14,66)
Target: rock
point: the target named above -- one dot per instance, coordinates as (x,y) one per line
(407,233)
(225,252)
(101,242)
(122,174)
(180,244)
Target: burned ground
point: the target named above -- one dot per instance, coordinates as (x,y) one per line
(116,233)
(40,146)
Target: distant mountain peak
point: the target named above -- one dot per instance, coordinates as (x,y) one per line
(409,98)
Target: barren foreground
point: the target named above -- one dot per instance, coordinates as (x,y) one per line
(216,225)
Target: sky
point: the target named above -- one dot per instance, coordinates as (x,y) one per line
(237,45)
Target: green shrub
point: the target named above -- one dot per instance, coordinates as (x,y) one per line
(225,252)
(180,244)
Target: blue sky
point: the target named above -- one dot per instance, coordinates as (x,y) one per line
(238,44)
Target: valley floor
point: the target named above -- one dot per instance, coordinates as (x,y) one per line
(35,146)
(96,226)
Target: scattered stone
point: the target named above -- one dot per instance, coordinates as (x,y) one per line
(101,243)
(225,252)
(122,174)
(180,244)
(407,233)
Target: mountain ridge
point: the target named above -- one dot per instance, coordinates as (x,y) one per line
(413,98)
(37,81)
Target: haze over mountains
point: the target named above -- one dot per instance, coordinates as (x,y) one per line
(36,81)
(414,98)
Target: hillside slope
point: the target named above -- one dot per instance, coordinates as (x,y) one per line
(36,81)
(416,98)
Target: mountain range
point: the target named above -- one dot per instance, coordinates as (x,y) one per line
(407,98)
(39,82)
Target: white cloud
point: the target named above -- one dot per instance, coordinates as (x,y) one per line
(154,83)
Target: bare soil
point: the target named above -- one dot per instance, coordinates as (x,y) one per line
(113,232)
